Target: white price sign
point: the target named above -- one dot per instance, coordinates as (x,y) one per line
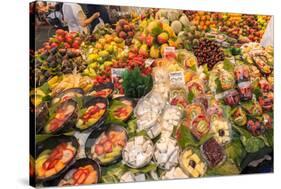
(169,50)
(177,78)
(148,62)
(117,72)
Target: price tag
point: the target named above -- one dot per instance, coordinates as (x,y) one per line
(177,78)
(117,73)
(148,62)
(169,52)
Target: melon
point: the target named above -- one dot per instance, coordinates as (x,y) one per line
(173,15)
(176,26)
(164,20)
(154,27)
(184,20)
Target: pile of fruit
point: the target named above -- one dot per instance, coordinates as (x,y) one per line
(101,54)
(164,94)
(239,26)
(152,40)
(125,30)
(59,55)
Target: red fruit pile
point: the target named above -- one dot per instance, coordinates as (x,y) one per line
(63,40)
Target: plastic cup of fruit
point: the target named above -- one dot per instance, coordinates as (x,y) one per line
(147,161)
(196,166)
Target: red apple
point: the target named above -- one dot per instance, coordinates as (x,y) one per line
(149,40)
(67,45)
(68,38)
(60,32)
(76,44)
(59,38)
(54,45)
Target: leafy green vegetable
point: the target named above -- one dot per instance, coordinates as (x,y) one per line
(226,111)
(190,96)
(136,85)
(132,127)
(112,174)
(146,169)
(227,65)
(267,137)
(185,138)
(235,151)
(45,88)
(257,92)
(251,143)
(42,137)
(235,51)
(227,168)
(110,118)
(218,86)
(206,70)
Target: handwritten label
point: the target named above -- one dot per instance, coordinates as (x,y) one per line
(169,51)
(117,73)
(177,78)
(148,62)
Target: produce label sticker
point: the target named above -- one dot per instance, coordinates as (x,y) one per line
(148,62)
(169,52)
(177,78)
(117,72)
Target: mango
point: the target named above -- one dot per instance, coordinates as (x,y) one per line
(163,37)
(154,27)
(154,52)
(163,46)
(143,50)
(92,57)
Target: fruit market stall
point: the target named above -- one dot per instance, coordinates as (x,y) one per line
(166,94)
